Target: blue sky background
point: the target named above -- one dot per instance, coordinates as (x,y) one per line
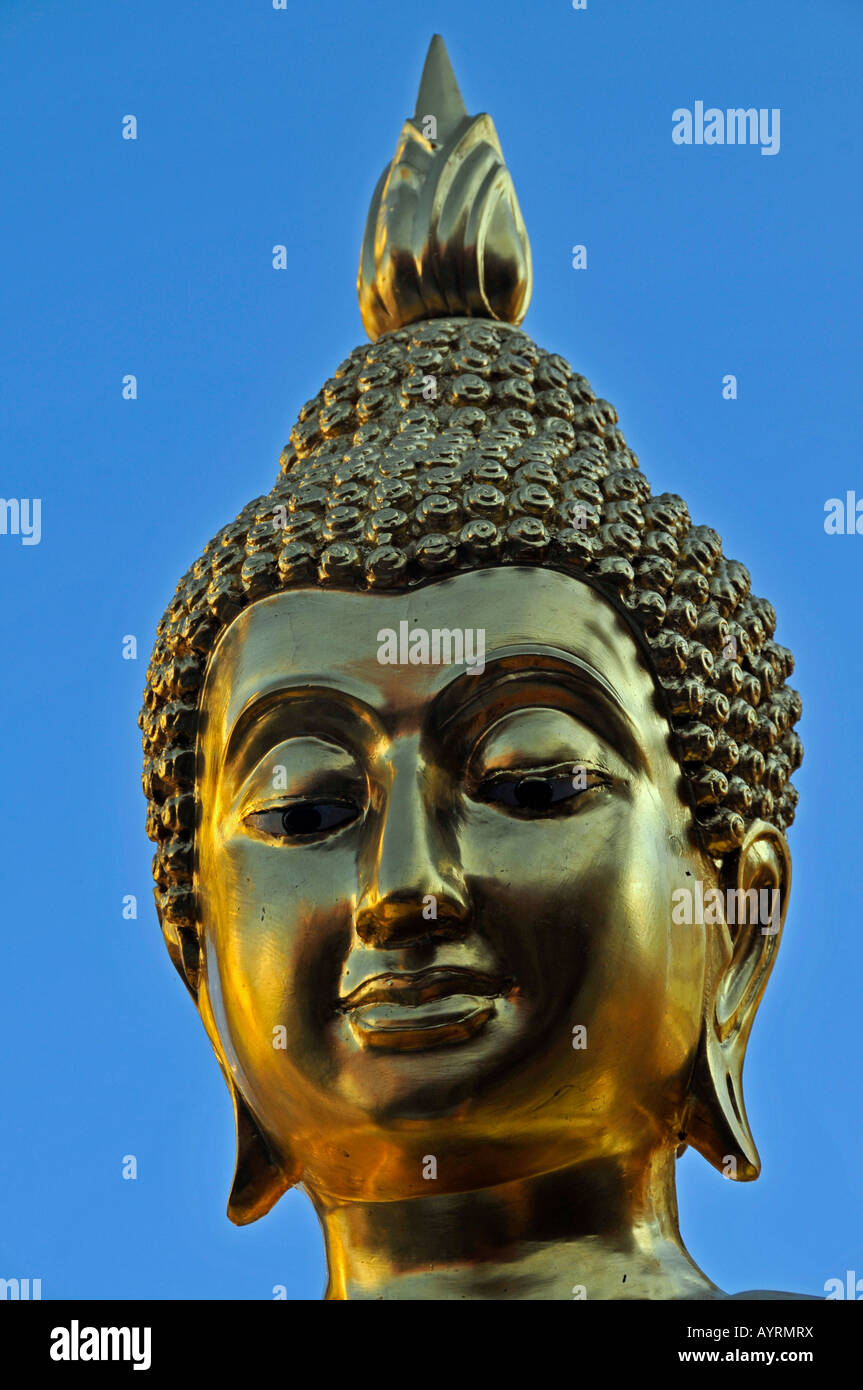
(153,257)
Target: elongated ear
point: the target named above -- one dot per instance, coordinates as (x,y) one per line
(261,1176)
(259,1179)
(740,955)
(181,937)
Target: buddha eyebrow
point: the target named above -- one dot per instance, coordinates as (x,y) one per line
(305,703)
(511,668)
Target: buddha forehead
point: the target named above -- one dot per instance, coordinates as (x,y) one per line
(463,630)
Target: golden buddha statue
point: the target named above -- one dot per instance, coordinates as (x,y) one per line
(437,733)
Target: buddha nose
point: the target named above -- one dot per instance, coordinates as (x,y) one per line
(415,890)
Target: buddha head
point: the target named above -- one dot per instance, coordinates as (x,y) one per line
(441,736)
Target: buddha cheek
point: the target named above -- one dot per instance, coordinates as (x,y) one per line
(581,913)
(278,922)
(640,994)
(545,894)
(649,974)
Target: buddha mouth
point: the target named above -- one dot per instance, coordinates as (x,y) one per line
(422,986)
(411,1012)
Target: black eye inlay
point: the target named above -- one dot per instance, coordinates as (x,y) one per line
(304,818)
(535,792)
(311,817)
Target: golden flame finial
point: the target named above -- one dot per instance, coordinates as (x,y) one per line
(444,234)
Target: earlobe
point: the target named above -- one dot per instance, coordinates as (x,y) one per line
(259,1180)
(716,1123)
(260,1177)
(740,956)
(183,947)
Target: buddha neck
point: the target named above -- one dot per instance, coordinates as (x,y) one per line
(604,1230)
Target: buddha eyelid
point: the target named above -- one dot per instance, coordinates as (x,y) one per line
(284,800)
(592,699)
(561,772)
(528,768)
(305,707)
(258,793)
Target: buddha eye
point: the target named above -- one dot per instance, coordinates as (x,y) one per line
(536,792)
(303,819)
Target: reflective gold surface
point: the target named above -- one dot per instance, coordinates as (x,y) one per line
(437,736)
(367,1037)
(444,233)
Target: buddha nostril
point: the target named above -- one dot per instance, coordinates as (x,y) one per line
(412,917)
